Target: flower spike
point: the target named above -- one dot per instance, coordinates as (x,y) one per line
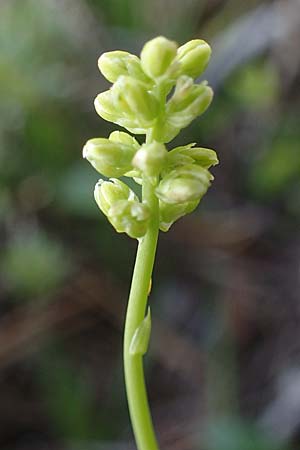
(156,96)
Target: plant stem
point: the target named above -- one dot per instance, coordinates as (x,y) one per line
(133,364)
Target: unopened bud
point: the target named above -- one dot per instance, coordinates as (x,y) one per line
(105,108)
(129,217)
(131,98)
(187,154)
(157,55)
(204,157)
(150,158)
(179,156)
(193,57)
(107,193)
(104,105)
(123,138)
(109,158)
(185,92)
(185,184)
(114,64)
(188,104)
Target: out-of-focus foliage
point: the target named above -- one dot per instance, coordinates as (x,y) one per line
(33,264)
(224,356)
(231,434)
(255,86)
(278,167)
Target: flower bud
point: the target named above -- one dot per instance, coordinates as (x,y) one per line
(184,184)
(193,57)
(114,64)
(187,103)
(109,158)
(187,154)
(129,217)
(169,213)
(179,156)
(104,105)
(131,98)
(107,193)
(203,157)
(122,207)
(185,92)
(157,55)
(150,158)
(124,138)
(105,108)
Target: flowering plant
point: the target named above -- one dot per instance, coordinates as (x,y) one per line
(156,96)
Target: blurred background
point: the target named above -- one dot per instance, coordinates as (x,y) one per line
(223,367)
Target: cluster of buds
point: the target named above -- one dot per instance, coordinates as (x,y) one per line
(122,207)
(155,95)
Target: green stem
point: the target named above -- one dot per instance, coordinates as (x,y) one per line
(133,364)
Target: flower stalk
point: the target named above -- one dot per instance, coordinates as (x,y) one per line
(137,304)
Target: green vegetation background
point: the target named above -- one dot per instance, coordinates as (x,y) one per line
(224,361)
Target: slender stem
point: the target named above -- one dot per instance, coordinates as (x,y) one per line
(133,364)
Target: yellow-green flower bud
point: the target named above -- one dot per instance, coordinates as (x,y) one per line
(185,91)
(117,63)
(184,184)
(129,217)
(169,213)
(185,94)
(193,57)
(131,98)
(157,55)
(129,104)
(179,156)
(188,102)
(105,107)
(187,154)
(107,193)
(110,158)
(122,207)
(204,157)
(150,158)
(123,138)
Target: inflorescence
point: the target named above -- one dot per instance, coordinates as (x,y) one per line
(154,95)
